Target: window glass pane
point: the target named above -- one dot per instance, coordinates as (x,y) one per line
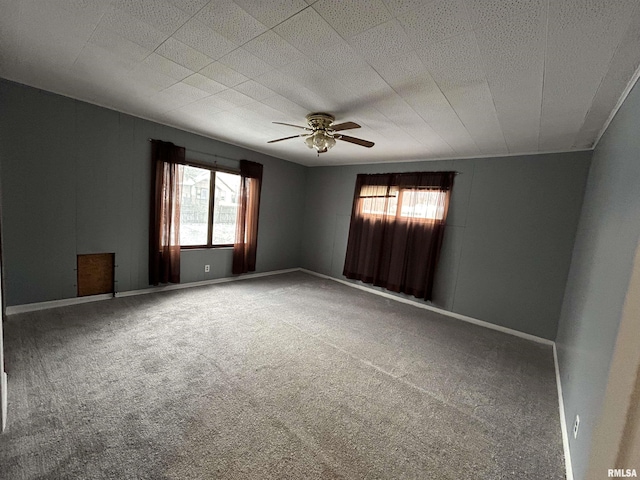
(378,199)
(194,210)
(225,208)
(427,204)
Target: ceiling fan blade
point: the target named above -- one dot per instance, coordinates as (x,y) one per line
(344,126)
(291,125)
(287,138)
(357,141)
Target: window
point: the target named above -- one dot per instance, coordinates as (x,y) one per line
(208,220)
(416,203)
(396,231)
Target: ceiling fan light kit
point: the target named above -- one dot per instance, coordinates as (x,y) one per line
(323,136)
(321,141)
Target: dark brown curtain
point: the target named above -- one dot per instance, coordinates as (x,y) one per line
(246,244)
(397,226)
(164,226)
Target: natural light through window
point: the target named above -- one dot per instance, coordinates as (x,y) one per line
(194,208)
(225,208)
(427,204)
(197,219)
(379,199)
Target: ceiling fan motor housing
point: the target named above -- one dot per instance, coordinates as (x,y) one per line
(320,121)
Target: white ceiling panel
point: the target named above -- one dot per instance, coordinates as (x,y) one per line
(266,116)
(456,66)
(402,115)
(307,30)
(289,87)
(213,103)
(189,6)
(577,47)
(168,67)
(623,66)
(484,13)
(231,21)
(513,50)
(339,58)
(273,49)
(45,30)
(254,90)
(246,63)
(382,43)
(351,17)
(223,74)
(286,106)
(404,72)
(186,91)
(85,11)
(234,97)
(427,100)
(454,63)
(160,14)
(143,74)
(401,7)
(118,45)
(204,83)
(133,29)
(310,76)
(205,40)
(436,21)
(202,109)
(183,54)
(95,62)
(426,79)
(272,13)
(168,100)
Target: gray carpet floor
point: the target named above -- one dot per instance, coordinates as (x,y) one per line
(287,376)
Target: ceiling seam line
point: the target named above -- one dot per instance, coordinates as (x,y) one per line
(613,56)
(88,40)
(544,72)
(444,95)
(412,109)
(486,79)
(439,89)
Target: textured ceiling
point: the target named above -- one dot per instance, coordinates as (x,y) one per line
(426,79)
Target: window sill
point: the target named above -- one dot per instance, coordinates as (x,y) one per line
(204,247)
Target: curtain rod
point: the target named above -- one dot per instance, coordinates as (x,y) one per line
(207,153)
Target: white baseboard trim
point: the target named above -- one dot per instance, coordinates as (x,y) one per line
(32,307)
(563,418)
(213,281)
(441,311)
(3,399)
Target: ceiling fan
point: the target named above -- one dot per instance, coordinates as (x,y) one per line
(323,133)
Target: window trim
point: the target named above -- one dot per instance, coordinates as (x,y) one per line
(212,184)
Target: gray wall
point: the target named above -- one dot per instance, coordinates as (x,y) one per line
(76,180)
(606,242)
(508,241)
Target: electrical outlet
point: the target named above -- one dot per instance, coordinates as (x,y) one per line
(206,268)
(576,424)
